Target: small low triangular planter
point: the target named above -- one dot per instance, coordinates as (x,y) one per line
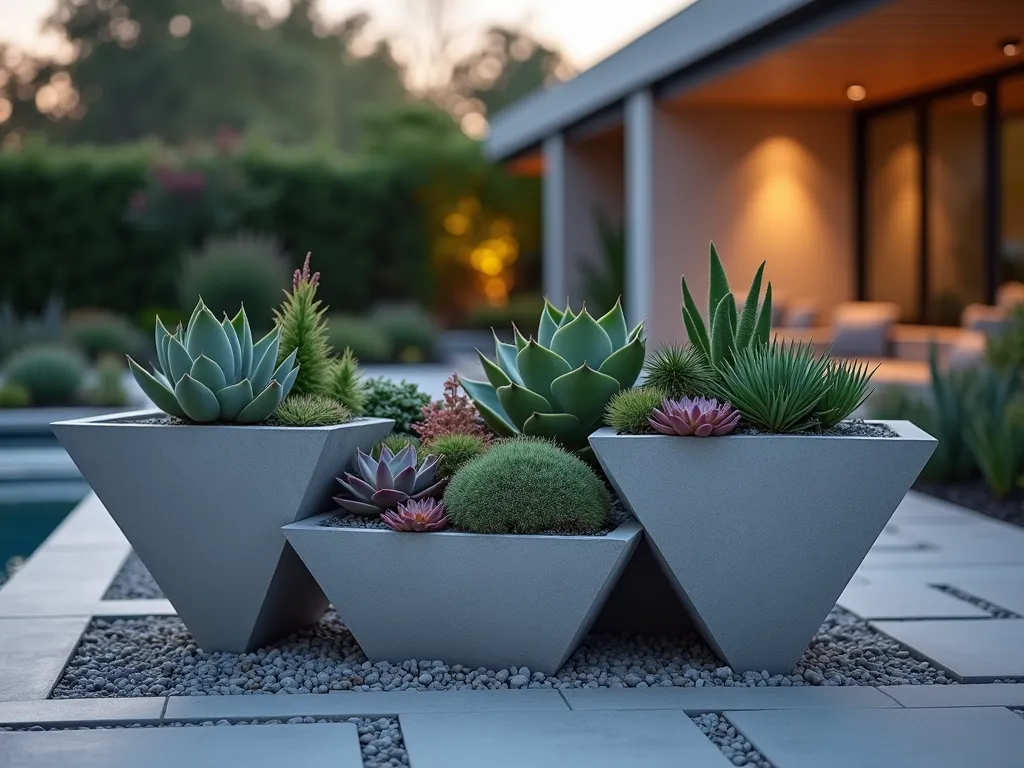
(478,600)
(760,534)
(203,506)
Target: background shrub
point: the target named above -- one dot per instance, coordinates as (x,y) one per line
(97,332)
(51,374)
(413,334)
(229,272)
(18,331)
(367,341)
(523,310)
(14,396)
(395,443)
(402,401)
(108,388)
(527,486)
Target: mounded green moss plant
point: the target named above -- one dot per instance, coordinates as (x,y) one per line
(455,451)
(304,331)
(629,411)
(311,410)
(776,387)
(525,485)
(108,389)
(679,371)
(345,382)
(402,401)
(51,374)
(395,443)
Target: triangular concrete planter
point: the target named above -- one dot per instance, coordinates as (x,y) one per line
(760,534)
(478,600)
(203,506)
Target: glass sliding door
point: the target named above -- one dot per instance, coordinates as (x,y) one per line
(1011,252)
(893,211)
(956,206)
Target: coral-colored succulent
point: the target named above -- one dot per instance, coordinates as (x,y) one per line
(456,415)
(419,516)
(698,416)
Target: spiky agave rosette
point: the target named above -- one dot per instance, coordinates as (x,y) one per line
(558,385)
(212,371)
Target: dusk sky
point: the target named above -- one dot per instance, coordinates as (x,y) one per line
(587,30)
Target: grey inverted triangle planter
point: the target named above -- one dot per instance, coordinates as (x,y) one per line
(479,600)
(760,534)
(203,506)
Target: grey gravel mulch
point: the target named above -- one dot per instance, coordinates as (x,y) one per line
(133,582)
(154,656)
(734,746)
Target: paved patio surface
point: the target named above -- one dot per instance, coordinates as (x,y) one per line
(946,583)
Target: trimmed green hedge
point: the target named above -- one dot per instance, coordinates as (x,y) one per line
(70,226)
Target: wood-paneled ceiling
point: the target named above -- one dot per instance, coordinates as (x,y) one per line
(900,48)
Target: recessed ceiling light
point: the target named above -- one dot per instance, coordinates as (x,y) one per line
(856,92)
(1011,46)
(979,98)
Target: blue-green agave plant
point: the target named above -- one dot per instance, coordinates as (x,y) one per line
(211,371)
(557,385)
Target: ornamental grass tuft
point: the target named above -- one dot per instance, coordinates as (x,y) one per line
(527,485)
(629,411)
(455,451)
(311,411)
(345,382)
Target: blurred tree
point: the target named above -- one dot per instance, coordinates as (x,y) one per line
(183,69)
(510,64)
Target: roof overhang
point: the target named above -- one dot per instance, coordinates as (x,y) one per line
(708,32)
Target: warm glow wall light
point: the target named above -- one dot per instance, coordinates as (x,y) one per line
(1011,47)
(979,99)
(856,92)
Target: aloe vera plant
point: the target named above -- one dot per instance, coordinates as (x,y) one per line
(558,385)
(727,331)
(211,371)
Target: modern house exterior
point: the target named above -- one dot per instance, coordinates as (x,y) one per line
(870,150)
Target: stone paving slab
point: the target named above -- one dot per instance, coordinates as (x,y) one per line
(322,745)
(88,525)
(73,712)
(58,581)
(972,651)
(974,695)
(719,698)
(558,740)
(898,738)
(1005,592)
(361,703)
(33,653)
(897,599)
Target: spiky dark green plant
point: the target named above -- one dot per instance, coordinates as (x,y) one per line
(776,387)
(304,331)
(847,390)
(345,383)
(995,440)
(727,331)
(629,411)
(311,410)
(527,485)
(679,371)
(395,443)
(952,460)
(455,451)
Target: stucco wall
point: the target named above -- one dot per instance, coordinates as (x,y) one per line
(764,184)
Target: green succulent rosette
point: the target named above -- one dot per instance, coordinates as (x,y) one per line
(557,385)
(211,371)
